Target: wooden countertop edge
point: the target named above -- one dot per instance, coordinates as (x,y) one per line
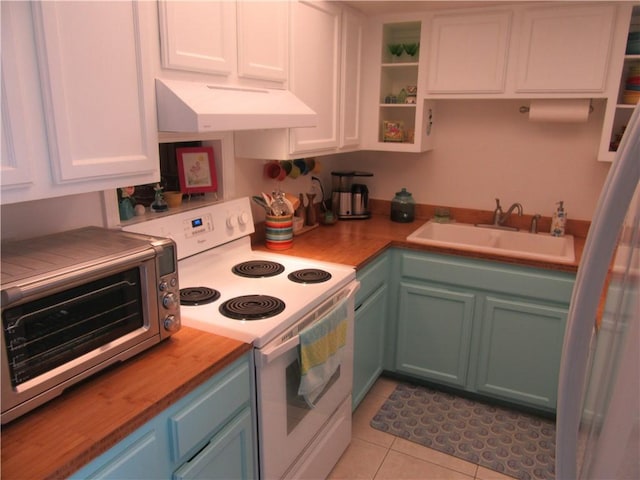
(91,417)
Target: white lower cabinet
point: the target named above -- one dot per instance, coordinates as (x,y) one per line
(210,433)
(78,111)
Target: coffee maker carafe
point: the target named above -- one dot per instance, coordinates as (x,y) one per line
(349,200)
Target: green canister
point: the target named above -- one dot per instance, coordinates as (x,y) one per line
(403,207)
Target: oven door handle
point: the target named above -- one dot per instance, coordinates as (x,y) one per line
(269,355)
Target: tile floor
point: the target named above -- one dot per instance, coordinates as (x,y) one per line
(373,454)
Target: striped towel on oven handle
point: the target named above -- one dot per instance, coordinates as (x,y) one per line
(320,352)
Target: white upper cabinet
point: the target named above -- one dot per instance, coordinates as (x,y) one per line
(521,51)
(87,110)
(263,40)
(227,40)
(352,37)
(198,36)
(325,50)
(315,73)
(19,82)
(468,52)
(565,49)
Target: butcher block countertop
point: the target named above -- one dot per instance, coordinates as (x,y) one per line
(357,242)
(61,436)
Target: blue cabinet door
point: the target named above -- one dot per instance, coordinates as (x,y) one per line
(519,350)
(368,351)
(228,456)
(434,332)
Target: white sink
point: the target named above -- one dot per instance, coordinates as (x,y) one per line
(535,246)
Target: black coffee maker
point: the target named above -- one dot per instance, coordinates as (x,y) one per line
(350,200)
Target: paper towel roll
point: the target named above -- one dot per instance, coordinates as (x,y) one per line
(560,111)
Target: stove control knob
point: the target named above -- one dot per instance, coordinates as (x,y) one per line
(171,324)
(232,222)
(243,218)
(169,301)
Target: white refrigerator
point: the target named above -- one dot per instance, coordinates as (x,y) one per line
(598,415)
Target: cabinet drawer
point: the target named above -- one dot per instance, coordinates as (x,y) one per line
(208,412)
(480,274)
(131,460)
(371,278)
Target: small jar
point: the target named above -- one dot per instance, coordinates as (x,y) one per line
(403,207)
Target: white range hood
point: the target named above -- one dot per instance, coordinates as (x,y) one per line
(201,107)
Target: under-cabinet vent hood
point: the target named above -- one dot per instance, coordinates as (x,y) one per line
(201,107)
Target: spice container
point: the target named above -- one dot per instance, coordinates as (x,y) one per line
(403,207)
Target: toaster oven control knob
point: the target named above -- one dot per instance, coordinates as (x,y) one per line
(171,323)
(169,301)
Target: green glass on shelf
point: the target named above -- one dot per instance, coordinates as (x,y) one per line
(395,49)
(411,48)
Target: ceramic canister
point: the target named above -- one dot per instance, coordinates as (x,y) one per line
(279,232)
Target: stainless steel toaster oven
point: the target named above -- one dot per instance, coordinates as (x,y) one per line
(76,302)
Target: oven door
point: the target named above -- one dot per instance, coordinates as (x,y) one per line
(286,424)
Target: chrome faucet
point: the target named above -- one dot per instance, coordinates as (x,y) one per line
(500,218)
(534,223)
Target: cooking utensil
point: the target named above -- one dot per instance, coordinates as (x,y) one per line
(261,201)
(279,206)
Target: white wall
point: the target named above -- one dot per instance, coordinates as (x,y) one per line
(484,149)
(487,149)
(39,217)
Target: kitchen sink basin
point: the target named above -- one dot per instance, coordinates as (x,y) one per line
(535,246)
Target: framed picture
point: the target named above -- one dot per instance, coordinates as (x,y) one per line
(393,131)
(196,170)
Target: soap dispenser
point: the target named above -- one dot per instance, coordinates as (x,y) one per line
(559,220)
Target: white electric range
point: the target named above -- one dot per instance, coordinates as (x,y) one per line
(266,299)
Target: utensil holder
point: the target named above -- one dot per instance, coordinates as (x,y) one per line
(279,232)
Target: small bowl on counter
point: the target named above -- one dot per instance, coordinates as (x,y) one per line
(173,199)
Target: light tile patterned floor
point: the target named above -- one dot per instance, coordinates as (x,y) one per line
(373,454)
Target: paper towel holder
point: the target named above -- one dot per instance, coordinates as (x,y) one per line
(525,109)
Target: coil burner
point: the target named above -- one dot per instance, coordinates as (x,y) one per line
(258,269)
(252,307)
(198,295)
(309,275)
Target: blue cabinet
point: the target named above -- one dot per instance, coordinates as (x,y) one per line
(434,332)
(370,319)
(227,456)
(482,326)
(210,433)
(519,350)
